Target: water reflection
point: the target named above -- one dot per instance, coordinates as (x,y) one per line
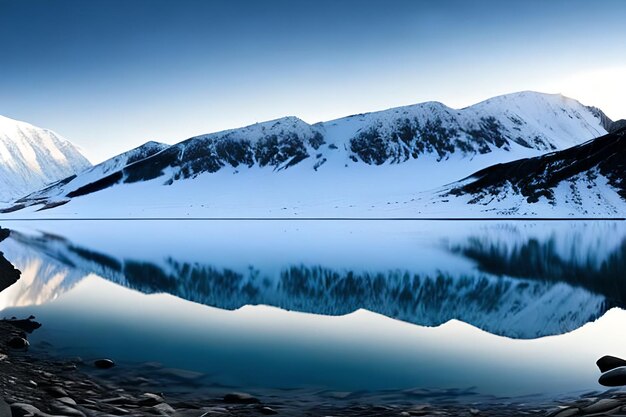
(507,280)
(540,260)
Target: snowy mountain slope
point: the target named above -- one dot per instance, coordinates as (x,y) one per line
(31,157)
(585,179)
(358,162)
(94,173)
(513,307)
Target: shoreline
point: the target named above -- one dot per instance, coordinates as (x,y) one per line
(314,219)
(33,384)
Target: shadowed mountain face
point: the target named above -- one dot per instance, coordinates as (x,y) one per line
(526,290)
(617,125)
(533,178)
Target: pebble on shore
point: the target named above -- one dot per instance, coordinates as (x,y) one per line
(104,364)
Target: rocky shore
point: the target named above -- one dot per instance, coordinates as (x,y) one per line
(33,385)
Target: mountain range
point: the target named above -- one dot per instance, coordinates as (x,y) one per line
(405,161)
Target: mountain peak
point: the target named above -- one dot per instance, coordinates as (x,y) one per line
(282,124)
(8,124)
(31,157)
(530,98)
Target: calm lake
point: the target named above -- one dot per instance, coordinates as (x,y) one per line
(490,308)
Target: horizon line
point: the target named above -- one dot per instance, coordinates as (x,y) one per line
(322,219)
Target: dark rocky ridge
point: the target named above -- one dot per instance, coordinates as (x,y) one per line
(537,177)
(210,153)
(606,122)
(618,125)
(410,139)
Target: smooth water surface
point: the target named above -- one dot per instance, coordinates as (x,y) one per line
(499,308)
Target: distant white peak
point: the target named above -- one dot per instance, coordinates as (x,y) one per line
(280,123)
(10,126)
(33,157)
(529,98)
(7,124)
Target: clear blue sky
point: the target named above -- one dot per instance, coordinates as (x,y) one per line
(110,75)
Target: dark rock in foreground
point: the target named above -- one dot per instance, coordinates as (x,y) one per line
(18,343)
(606,363)
(28,325)
(8,273)
(614,378)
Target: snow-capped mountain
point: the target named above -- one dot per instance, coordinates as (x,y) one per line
(358,165)
(531,120)
(588,179)
(31,157)
(93,174)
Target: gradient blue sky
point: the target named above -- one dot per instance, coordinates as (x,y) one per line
(110,75)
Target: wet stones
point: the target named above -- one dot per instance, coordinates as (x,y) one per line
(66,410)
(150,400)
(24,410)
(614,371)
(56,392)
(602,406)
(567,412)
(104,364)
(614,378)
(240,398)
(164,409)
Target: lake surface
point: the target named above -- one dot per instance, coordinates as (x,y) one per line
(493,308)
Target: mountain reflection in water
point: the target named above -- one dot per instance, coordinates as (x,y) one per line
(508,281)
